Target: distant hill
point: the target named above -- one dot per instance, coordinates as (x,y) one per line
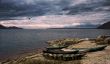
(105,26)
(12,27)
(2,27)
(83,26)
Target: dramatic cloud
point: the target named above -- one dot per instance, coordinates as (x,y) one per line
(90,20)
(55,13)
(41,7)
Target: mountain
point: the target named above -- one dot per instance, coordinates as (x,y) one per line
(87,26)
(105,26)
(12,27)
(2,27)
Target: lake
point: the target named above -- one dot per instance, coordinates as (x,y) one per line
(16,41)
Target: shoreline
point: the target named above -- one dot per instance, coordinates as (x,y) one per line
(20,55)
(94,57)
(98,57)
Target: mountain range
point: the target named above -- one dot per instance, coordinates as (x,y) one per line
(105,26)
(12,27)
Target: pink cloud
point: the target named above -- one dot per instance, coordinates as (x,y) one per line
(57,21)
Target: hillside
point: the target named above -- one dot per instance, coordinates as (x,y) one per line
(2,27)
(12,27)
(105,26)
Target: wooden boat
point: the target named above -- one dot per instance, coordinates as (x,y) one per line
(59,51)
(65,57)
(93,49)
(97,48)
(58,54)
(59,47)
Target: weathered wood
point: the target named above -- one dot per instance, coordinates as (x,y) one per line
(65,57)
(58,51)
(93,49)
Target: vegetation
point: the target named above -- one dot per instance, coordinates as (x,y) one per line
(63,42)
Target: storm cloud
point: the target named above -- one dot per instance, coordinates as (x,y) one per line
(97,11)
(31,7)
(12,8)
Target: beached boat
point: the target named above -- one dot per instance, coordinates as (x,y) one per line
(57,47)
(70,54)
(93,49)
(63,56)
(97,48)
(59,51)
(58,54)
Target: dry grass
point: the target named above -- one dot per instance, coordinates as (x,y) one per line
(39,61)
(99,57)
(84,44)
(63,42)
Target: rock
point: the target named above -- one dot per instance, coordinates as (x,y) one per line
(102,36)
(101,39)
(107,40)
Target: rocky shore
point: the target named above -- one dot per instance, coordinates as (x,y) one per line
(98,57)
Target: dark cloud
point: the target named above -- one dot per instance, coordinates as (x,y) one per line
(29,8)
(90,6)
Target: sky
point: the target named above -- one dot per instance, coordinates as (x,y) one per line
(33,14)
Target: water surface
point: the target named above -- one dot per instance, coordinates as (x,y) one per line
(15,41)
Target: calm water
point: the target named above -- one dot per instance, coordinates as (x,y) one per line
(16,41)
